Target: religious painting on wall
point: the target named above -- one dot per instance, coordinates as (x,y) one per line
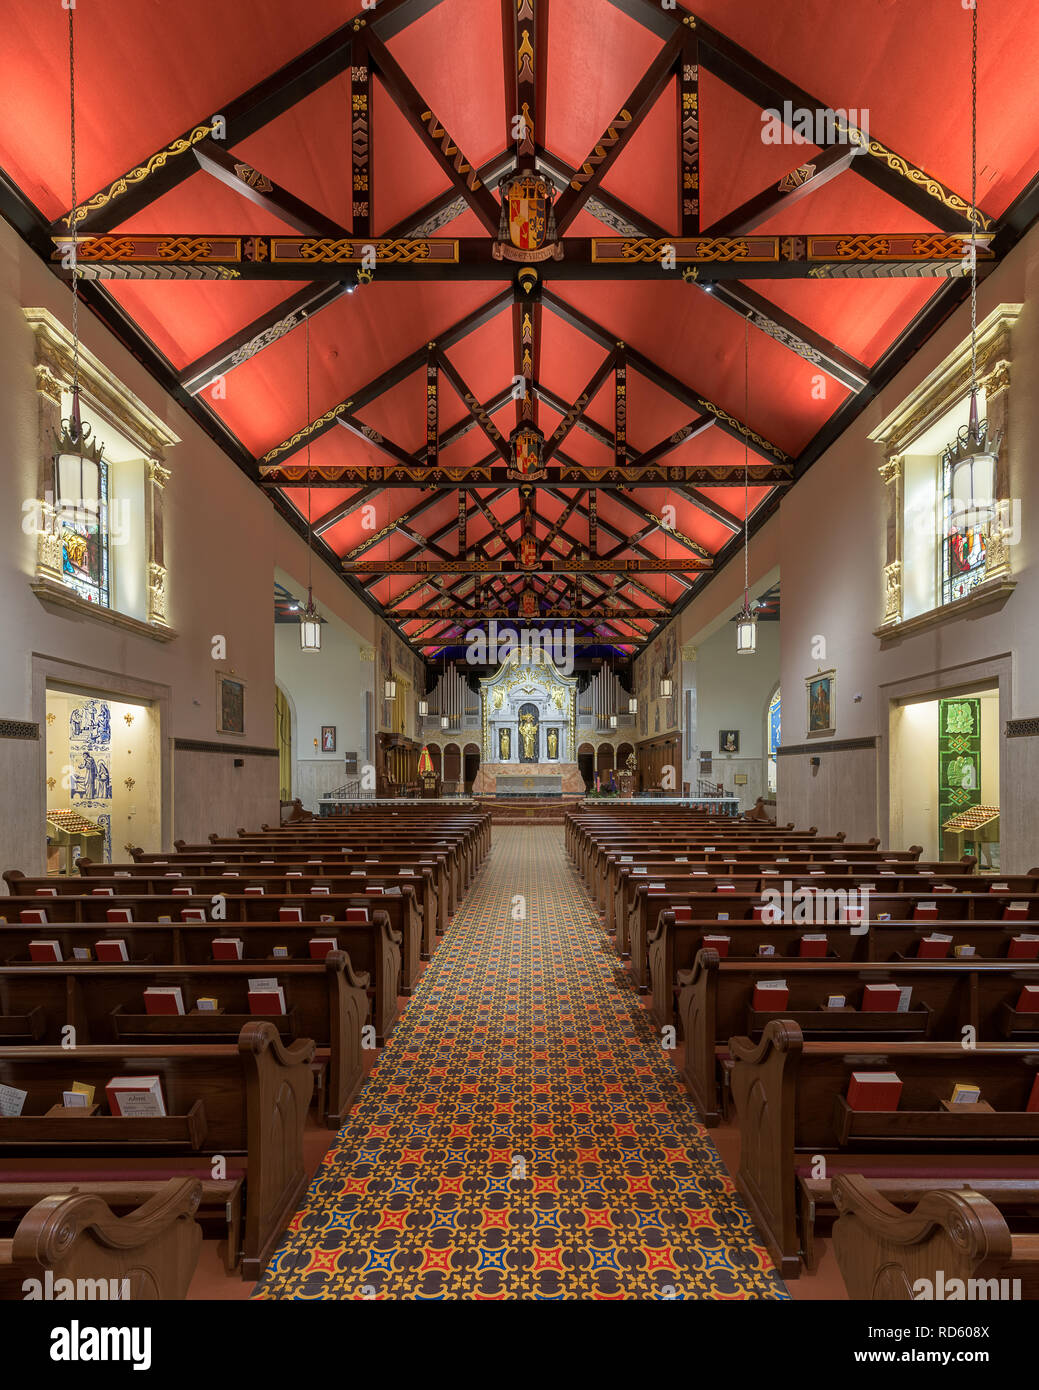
(728,740)
(328,738)
(822,702)
(959,759)
(552,745)
(230,704)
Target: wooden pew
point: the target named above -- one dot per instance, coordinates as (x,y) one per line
(889,1255)
(789,1097)
(247,1101)
(374,947)
(716,1002)
(147,1255)
(325,1001)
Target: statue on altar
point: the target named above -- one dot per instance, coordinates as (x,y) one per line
(553,744)
(528,732)
(504,745)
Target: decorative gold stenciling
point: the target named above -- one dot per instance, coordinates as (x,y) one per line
(138,175)
(437,133)
(720,414)
(308,430)
(909,171)
(613,133)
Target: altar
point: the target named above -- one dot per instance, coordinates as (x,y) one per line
(528,717)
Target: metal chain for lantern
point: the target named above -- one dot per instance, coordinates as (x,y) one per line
(310,623)
(746,622)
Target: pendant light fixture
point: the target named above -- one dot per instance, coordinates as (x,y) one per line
(970,460)
(445,718)
(389,685)
(613,697)
(747,621)
(309,621)
(667,685)
(77,457)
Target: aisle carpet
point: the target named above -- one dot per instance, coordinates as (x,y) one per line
(524,1134)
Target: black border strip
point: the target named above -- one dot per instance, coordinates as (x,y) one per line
(841,745)
(196,745)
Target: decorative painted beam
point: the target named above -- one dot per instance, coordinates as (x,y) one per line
(688,91)
(426,125)
(432,409)
(446,563)
(234,173)
(352,425)
(344,509)
(362,134)
(618,133)
(620,408)
(492,471)
(699,260)
(524,43)
(779,197)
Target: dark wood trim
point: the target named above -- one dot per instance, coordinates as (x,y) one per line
(195,745)
(840,745)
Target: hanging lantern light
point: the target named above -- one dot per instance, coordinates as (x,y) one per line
(747,619)
(445,722)
(633,704)
(309,619)
(77,463)
(613,721)
(423,707)
(746,631)
(389,688)
(309,626)
(667,688)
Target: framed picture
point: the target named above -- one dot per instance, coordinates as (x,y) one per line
(728,740)
(230,704)
(821,690)
(328,738)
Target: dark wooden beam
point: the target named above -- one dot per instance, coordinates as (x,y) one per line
(357,427)
(393,376)
(524,38)
(575,411)
(420,116)
(660,450)
(659,377)
(495,525)
(432,409)
(620,408)
(234,173)
(362,137)
(617,134)
(526,350)
(779,197)
(688,88)
(583,423)
(469,399)
(398,523)
(336,514)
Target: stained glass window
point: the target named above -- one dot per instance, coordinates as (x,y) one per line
(773,739)
(84,542)
(963,546)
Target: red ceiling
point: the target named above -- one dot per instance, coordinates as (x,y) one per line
(144,77)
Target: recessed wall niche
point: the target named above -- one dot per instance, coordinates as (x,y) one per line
(103,762)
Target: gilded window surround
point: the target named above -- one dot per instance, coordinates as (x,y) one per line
(945,388)
(111,401)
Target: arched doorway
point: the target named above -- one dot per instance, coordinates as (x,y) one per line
(586,764)
(604,763)
(283,738)
(452,769)
(772,734)
(470,765)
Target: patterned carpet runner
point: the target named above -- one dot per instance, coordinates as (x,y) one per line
(524,1135)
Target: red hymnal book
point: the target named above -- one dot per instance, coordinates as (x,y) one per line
(112,950)
(850,914)
(321,888)
(321,945)
(181,892)
(725,888)
(165,999)
(813,945)
(119,914)
(372,889)
(227,947)
(719,943)
(770,995)
(925,912)
(103,892)
(874,1090)
(32,914)
(255,889)
(881,998)
(934,947)
(1015,912)
(290,914)
(683,914)
(192,914)
(357,914)
(44,951)
(49,892)
(1033,1098)
(1023,947)
(267,1001)
(1028,1000)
